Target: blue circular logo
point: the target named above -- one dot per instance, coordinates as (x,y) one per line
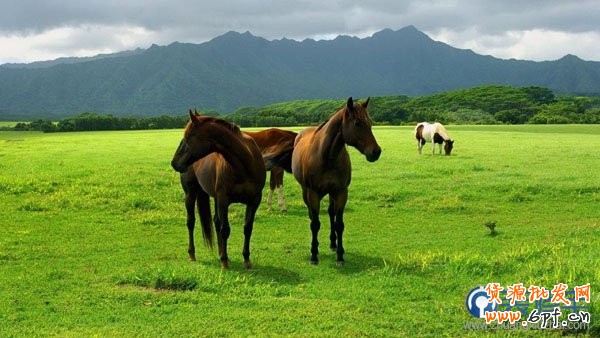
(478,302)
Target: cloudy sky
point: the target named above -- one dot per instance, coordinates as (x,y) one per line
(33,30)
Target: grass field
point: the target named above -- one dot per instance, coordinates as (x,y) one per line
(94,238)
(7,124)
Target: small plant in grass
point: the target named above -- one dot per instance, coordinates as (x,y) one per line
(492,226)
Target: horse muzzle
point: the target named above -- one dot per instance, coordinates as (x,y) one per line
(373,155)
(178,166)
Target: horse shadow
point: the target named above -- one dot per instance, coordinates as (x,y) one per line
(267,274)
(355,263)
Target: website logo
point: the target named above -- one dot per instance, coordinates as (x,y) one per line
(478,302)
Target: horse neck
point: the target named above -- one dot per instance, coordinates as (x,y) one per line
(332,141)
(443,133)
(235,151)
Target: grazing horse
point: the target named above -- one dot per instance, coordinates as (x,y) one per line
(267,140)
(321,164)
(434,133)
(217,160)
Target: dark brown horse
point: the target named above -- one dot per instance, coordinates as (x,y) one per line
(217,160)
(321,164)
(268,140)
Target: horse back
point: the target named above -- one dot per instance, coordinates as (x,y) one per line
(270,137)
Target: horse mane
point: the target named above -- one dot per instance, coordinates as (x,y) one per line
(322,125)
(361,113)
(231,126)
(441,130)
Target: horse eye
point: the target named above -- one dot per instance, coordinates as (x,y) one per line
(357,123)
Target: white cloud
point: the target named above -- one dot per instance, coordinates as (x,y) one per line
(71,41)
(534,44)
(534,29)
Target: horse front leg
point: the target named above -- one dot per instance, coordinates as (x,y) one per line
(248,225)
(190,202)
(313,201)
(337,204)
(332,235)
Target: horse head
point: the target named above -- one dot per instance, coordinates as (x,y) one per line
(194,145)
(356,129)
(448,145)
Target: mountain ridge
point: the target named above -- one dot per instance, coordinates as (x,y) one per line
(240,69)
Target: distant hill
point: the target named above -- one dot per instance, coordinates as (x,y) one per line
(489,104)
(68,60)
(239,69)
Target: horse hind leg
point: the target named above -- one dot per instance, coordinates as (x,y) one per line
(277,176)
(420,144)
(248,225)
(270,200)
(281,201)
(223,230)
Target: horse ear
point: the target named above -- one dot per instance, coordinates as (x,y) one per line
(350,104)
(366,103)
(196,112)
(194,117)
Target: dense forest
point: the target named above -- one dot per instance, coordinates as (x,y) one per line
(479,105)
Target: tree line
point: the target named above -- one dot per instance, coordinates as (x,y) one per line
(479,105)
(95,121)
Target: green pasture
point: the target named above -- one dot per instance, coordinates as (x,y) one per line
(94,240)
(7,124)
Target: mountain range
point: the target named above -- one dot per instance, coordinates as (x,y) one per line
(240,69)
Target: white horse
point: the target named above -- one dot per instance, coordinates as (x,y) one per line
(434,133)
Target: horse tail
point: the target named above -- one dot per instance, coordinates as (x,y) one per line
(203,201)
(280,156)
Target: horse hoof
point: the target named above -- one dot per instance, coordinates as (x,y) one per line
(225,265)
(192,258)
(313,262)
(340,263)
(247,265)
(333,248)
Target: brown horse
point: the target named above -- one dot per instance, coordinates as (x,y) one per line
(267,140)
(217,160)
(321,164)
